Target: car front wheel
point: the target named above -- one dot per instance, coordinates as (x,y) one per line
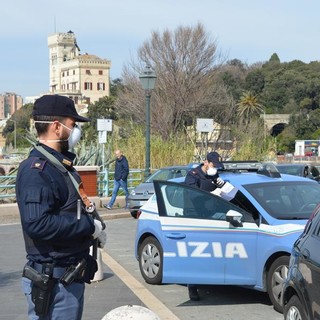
(151,260)
(277,275)
(293,310)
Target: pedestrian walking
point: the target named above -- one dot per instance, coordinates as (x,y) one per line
(121,173)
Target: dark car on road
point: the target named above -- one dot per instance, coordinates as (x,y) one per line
(299,169)
(139,195)
(301,292)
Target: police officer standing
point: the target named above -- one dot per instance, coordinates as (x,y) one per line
(57,229)
(205,177)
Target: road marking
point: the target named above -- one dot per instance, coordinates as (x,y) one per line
(153,303)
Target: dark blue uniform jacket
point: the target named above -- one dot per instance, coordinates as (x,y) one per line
(121,169)
(47,202)
(197,178)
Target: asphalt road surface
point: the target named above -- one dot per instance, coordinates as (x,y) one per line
(123,284)
(217,302)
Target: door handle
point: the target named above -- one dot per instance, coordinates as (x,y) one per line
(176,235)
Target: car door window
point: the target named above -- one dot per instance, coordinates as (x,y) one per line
(182,201)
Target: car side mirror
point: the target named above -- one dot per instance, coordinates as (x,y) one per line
(234,217)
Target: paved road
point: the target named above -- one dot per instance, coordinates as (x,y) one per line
(124,285)
(100,297)
(217,302)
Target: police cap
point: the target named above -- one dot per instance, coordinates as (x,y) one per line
(215,158)
(56,105)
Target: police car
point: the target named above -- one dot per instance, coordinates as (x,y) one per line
(189,236)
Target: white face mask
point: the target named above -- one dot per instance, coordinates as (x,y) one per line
(74,137)
(212,171)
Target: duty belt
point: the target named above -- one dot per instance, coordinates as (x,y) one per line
(57,272)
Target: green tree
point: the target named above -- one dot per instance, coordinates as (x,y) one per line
(254,81)
(115,86)
(274,58)
(104,108)
(248,107)
(21,120)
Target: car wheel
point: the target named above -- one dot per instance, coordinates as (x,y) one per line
(151,260)
(277,274)
(293,310)
(134,214)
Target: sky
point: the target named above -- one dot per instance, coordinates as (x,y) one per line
(248,30)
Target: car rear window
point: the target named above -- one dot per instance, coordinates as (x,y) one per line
(291,169)
(167,174)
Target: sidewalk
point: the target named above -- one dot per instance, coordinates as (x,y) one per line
(9,212)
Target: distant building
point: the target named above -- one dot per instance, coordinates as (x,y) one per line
(9,104)
(82,77)
(30,99)
(307,148)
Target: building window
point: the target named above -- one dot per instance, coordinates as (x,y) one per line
(54,59)
(88,72)
(100,72)
(62,74)
(88,86)
(74,72)
(101,86)
(67,73)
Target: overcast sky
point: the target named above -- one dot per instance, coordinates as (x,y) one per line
(249,30)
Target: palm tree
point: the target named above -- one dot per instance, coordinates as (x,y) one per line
(248,106)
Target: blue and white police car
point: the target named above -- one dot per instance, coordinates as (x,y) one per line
(189,236)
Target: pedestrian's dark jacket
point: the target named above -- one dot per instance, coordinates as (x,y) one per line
(197,178)
(121,171)
(47,201)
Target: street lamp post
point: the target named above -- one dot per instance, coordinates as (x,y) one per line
(148,80)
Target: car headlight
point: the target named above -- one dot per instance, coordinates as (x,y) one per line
(133,193)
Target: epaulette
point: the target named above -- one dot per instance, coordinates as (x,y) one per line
(67,162)
(38,164)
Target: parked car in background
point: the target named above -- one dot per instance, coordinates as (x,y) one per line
(300,169)
(139,195)
(301,292)
(190,236)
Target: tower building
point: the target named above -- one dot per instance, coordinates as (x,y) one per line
(85,78)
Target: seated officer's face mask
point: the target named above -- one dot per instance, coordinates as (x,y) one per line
(73,139)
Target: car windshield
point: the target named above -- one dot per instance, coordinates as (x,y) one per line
(286,200)
(291,169)
(167,174)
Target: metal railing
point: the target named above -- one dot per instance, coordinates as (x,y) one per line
(7,188)
(105,184)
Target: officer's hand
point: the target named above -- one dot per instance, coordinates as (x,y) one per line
(102,239)
(97,228)
(219,182)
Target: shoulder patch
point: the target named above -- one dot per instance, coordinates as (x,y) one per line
(38,164)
